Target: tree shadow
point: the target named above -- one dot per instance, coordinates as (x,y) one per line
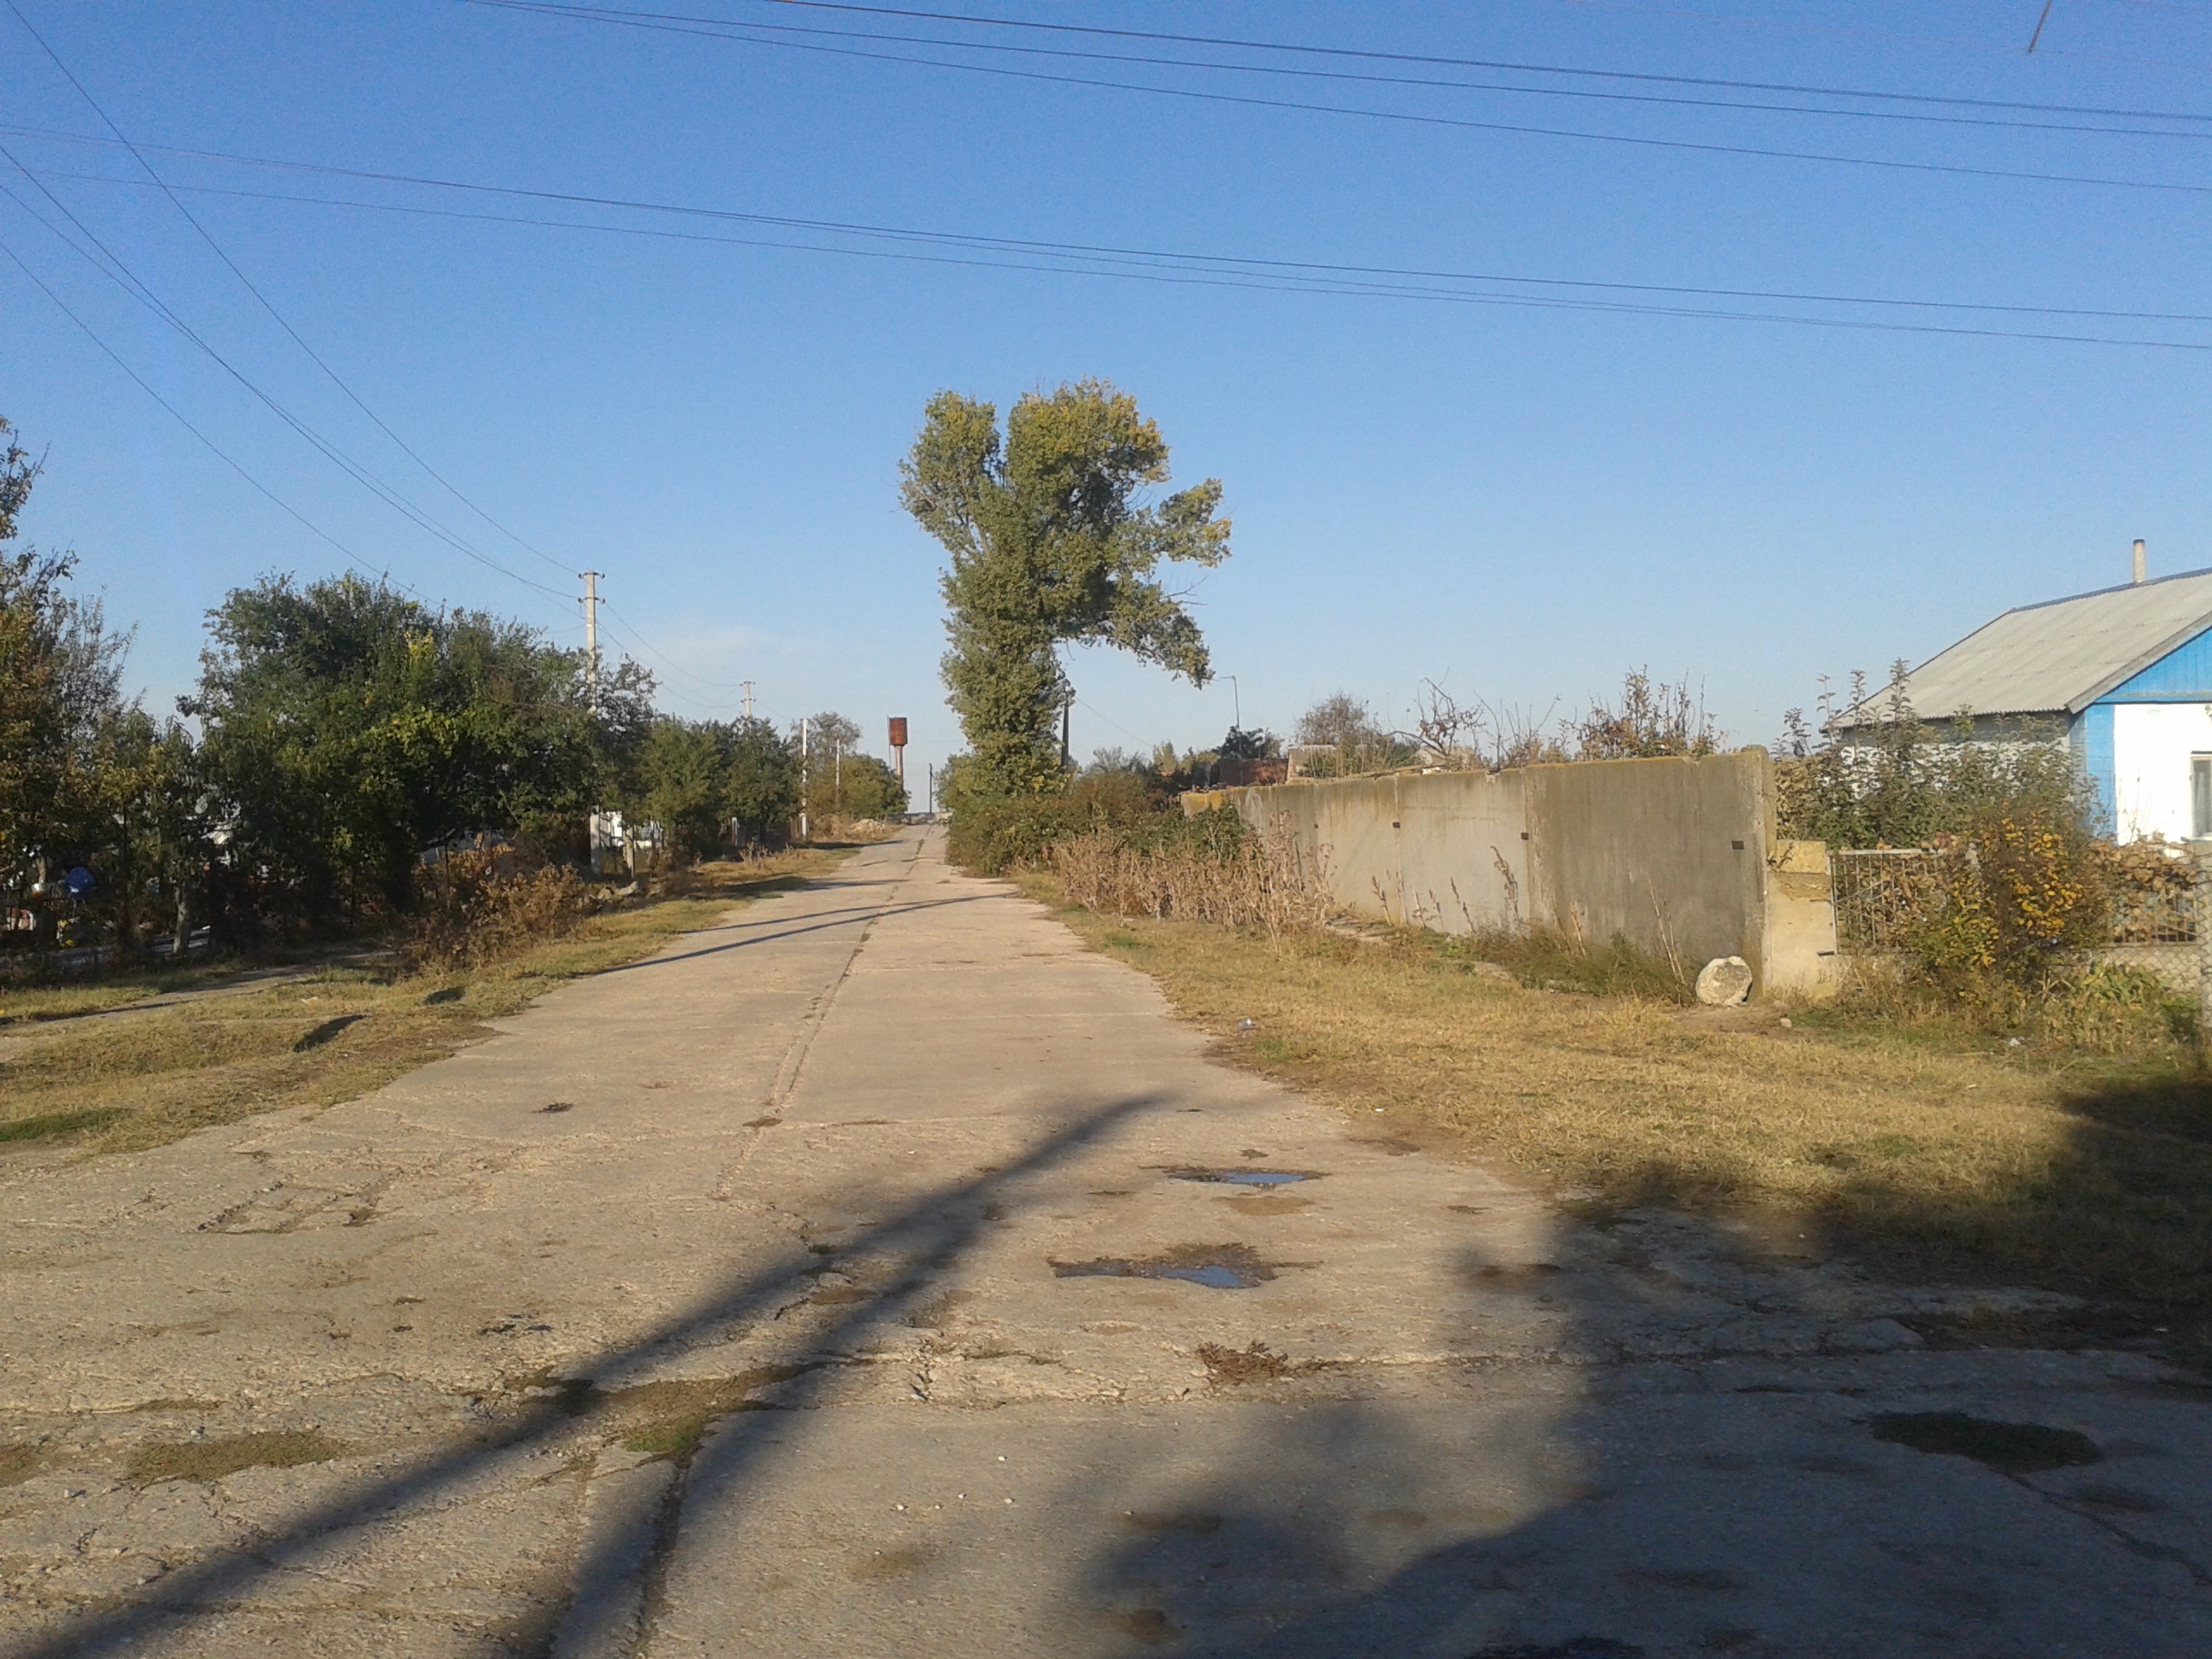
(1701,1460)
(926,1236)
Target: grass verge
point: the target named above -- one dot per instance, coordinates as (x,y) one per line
(106,1078)
(1920,1157)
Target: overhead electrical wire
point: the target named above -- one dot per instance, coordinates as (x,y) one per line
(665,661)
(1185,267)
(117,271)
(1460,123)
(1304,49)
(262,300)
(716,26)
(117,359)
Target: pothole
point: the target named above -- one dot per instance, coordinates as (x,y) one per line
(2009,1448)
(1246,1177)
(1218,1267)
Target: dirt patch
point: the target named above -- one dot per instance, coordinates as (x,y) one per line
(881,1564)
(18,1463)
(211,1459)
(1230,1367)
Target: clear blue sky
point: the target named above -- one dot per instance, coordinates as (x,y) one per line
(1520,502)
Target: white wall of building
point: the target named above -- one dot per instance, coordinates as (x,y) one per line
(2152,743)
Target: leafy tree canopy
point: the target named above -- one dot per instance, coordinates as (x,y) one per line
(1049,545)
(349,728)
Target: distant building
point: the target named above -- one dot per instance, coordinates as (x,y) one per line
(2122,675)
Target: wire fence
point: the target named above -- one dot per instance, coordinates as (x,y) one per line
(1882,895)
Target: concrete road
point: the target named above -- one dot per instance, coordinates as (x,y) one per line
(879,1273)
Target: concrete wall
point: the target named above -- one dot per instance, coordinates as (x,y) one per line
(1678,856)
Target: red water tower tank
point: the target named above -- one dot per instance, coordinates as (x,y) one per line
(898,731)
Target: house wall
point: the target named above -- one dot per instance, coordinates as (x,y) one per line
(2152,743)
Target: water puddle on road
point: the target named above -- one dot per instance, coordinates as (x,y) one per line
(1262,1178)
(1218,1267)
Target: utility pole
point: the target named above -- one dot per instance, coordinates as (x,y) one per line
(1067,712)
(802,778)
(1237,699)
(591,637)
(748,684)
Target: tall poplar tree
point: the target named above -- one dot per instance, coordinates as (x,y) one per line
(1050,545)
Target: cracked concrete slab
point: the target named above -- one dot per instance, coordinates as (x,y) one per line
(862,1301)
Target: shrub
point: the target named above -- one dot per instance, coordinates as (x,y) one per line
(1210,868)
(2024,884)
(991,835)
(468,912)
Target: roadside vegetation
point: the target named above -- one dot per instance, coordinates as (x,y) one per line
(355,769)
(81,1069)
(1983,1101)
(1918,1150)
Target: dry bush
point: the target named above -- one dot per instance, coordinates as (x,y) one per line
(2071,1004)
(1250,880)
(468,912)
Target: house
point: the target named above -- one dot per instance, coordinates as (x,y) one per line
(2123,676)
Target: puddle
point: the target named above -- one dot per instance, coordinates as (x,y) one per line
(2009,1448)
(1218,1267)
(1246,1177)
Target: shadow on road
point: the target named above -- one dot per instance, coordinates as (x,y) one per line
(927,1236)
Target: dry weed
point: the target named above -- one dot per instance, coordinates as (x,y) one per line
(1930,1151)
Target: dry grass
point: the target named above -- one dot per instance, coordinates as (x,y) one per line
(102,1077)
(1921,1155)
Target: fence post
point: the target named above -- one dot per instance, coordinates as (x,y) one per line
(2201,925)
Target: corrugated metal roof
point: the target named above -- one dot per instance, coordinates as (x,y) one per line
(2058,656)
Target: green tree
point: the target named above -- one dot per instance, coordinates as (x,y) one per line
(1049,545)
(762,781)
(349,729)
(61,710)
(684,766)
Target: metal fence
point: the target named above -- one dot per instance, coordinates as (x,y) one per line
(1881,893)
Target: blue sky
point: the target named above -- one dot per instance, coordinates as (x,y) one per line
(1519,502)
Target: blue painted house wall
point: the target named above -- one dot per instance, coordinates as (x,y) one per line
(2183,675)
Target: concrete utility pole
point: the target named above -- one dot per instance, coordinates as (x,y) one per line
(748,684)
(802,778)
(591,637)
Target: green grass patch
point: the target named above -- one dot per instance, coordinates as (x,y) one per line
(213,1459)
(54,1125)
(130,1079)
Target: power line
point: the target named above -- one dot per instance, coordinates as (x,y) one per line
(124,278)
(719,27)
(1299,49)
(1458,123)
(699,680)
(1251,272)
(113,356)
(262,300)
